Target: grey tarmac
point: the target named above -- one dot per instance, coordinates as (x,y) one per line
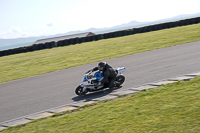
(34,94)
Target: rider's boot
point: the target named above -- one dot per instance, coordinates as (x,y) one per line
(98,85)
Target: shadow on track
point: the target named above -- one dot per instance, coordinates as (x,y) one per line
(94,95)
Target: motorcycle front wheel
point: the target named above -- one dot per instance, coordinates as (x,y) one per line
(79,91)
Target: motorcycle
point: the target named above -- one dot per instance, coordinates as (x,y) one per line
(90,82)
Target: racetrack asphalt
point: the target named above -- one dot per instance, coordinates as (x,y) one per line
(34,94)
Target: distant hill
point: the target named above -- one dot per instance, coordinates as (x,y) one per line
(13,43)
(4,42)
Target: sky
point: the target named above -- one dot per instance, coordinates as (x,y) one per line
(28,18)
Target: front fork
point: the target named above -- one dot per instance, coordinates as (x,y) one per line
(84,89)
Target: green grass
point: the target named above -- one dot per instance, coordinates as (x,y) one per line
(34,63)
(169,108)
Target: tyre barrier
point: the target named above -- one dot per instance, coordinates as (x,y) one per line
(47,45)
(97,37)
(65,42)
(34,47)
(76,40)
(105,36)
(40,46)
(71,41)
(130,32)
(60,43)
(94,38)
(83,39)
(52,44)
(88,39)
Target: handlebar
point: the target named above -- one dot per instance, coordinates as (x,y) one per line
(89,72)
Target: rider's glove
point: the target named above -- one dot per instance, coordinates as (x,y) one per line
(88,71)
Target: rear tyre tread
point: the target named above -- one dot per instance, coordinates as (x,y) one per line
(119,80)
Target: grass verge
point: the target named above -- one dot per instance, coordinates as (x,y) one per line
(169,108)
(38,62)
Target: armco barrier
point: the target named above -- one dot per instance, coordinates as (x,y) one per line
(100,36)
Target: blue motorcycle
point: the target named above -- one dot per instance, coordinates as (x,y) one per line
(90,81)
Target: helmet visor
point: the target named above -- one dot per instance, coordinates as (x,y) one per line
(100,68)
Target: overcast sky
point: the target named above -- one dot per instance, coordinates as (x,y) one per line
(25,18)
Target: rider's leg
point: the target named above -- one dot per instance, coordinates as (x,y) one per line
(111,82)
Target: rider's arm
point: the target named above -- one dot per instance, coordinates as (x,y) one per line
(105,77)
(94,69)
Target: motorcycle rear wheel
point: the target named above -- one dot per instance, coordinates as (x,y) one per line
(79,91)
(119,80)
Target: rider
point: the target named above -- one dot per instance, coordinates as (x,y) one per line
(109,74)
